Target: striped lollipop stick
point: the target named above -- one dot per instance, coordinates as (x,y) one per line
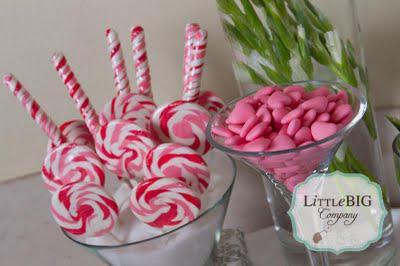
(34,110)
(75,91)
(142,69)
(121,80)
(190,31)
(193,65)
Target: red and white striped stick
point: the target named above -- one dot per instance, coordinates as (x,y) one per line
(34,110)
(82,102)
(193,65)
(190,31)
(142,69)
(121,80)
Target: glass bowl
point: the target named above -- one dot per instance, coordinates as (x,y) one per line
(190,244)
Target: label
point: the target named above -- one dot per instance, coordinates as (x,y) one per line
(337,212)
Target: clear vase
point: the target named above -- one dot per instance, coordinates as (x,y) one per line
(312,158)
(281,41)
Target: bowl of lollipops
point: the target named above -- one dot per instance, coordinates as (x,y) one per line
(137,183)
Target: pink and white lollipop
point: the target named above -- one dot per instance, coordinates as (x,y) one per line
(75,131)
(121,80)
(172,159)
(67,162)
(184,121)
(84,209)
(121,145)
(211,101)
(164,203)
(136,107)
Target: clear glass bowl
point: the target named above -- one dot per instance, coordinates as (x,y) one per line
(191,244)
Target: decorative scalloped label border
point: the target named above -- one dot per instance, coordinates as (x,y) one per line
(337,212)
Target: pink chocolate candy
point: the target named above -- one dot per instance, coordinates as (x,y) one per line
(321,130)
(257,131)
(318,103)
(248,126)
(257,145)
(341,112)
(241,113)
(279,99)
(296,113)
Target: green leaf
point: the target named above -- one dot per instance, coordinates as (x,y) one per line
(235,35)
(255,77)
(369,120)
(395,121)
(274,76)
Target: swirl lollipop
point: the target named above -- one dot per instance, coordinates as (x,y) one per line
(164,203)
(136,107)
(75,131)
(184,121)
(171,159)
(84,209)
(121,145)
(67,162)
(210,101)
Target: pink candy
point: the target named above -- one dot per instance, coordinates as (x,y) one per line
(275,119)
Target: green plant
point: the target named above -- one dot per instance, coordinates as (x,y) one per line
(285,43)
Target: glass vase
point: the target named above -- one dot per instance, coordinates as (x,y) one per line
(308,159)
(281,41)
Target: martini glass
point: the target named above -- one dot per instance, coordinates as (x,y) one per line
(277,167)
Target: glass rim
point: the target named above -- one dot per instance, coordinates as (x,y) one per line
(357,117)
(395,144)
(219,202)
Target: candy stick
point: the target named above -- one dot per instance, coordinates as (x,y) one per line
(122,145)
(75,91)
(121,80)
(193,65)
(34,110)
(66,162)
(142,69)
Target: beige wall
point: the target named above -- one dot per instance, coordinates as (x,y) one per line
(32,30)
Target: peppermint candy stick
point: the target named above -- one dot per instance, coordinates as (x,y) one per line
(142,69)
(121,80)
(121,145)
(34,110)
(66,162)
(193,65)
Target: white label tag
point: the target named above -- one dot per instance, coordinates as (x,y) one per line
(337,212)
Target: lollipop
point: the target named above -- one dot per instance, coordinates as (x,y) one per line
(75,131)
(84,209)
(136,107)
(171,159)
(210,101)
(121,145)
(121,80)
(183,121)
(67,162)
(164,203)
